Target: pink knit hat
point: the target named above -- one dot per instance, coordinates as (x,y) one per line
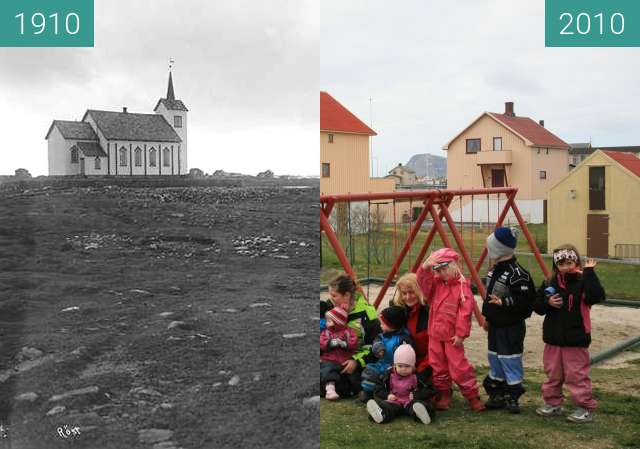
(338,315)
(445,255)
(405,354)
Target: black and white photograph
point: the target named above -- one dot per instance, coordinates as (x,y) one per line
(158,230)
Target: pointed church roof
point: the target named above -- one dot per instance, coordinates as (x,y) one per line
(133,127)
(170,102)
(171,96)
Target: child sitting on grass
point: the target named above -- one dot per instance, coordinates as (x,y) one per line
(565,300)
(338,342)
(395,395)
(394,333)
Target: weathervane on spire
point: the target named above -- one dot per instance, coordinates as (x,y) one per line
(171,62)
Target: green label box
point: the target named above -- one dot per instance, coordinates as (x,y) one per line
(46,23)
(592,23)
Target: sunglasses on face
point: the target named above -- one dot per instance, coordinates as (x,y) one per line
(440,266)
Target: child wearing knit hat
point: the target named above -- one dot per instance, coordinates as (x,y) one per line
(395,395)
(338,343)
(451,305)
(393,322)
(508,303)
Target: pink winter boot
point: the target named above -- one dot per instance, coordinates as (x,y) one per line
(330,392)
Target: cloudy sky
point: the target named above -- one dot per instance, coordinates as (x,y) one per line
(431,68)
(247,70)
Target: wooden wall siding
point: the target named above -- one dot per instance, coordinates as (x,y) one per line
(463,170)
(567,216)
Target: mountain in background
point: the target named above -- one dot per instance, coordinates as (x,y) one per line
(428,165)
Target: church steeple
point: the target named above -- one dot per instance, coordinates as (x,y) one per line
(170,94)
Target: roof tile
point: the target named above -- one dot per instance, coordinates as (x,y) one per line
(627,160)
(136,127)
(529,129)
(335,117)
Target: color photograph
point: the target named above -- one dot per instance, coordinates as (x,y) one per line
(480,258)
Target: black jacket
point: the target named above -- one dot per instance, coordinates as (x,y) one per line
(513,284)
(570,325)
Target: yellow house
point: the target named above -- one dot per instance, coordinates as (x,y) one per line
(594,206)
(500,150)
(344,152)
(403,175)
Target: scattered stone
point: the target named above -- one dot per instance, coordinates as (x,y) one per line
(27,397)
(57,409)
(266,323)
(143,390)
(175,324)
(260,304)
(172,338)
(230,310)
(70,309)
(235,380)
(79,392)
(167,314)
(298,335)
(313,401)
(175,289)
(177,215)
(281,256)
(154,435)
(165,445)
(216,384)
(27,353)
(138,291)
(167,406)
(257,377)
(79,350)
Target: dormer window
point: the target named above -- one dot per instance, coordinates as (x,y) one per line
(177,121)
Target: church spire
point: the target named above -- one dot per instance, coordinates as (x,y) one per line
(170,94)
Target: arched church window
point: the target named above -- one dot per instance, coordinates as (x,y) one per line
(166,157)
(123,157)
(74,155)
(137,154)
(97,164)
(152,157)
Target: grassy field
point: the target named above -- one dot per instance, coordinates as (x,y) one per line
(620,280)
(345,424)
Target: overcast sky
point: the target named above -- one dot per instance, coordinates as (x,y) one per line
(247,70)
(431,67)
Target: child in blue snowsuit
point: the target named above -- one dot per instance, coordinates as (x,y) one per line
(393,321)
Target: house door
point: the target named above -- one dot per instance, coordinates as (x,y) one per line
(497,178)
(82,166)
(598,235)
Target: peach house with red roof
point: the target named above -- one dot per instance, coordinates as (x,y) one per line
(344,152)
(500,150)
(594,207)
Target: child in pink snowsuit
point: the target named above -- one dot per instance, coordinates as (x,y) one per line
(451,304)
(338,342)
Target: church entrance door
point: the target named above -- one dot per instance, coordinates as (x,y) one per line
(82,166)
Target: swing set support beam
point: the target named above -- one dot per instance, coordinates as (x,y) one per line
(430,199)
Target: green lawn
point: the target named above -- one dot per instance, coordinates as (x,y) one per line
(345,424)
(620,280)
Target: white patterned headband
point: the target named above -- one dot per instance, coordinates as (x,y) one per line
(565,254)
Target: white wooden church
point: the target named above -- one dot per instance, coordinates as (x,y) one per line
(122,143)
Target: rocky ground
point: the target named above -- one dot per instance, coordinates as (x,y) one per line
(158,318)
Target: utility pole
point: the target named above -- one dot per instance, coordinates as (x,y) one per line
(371,137)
